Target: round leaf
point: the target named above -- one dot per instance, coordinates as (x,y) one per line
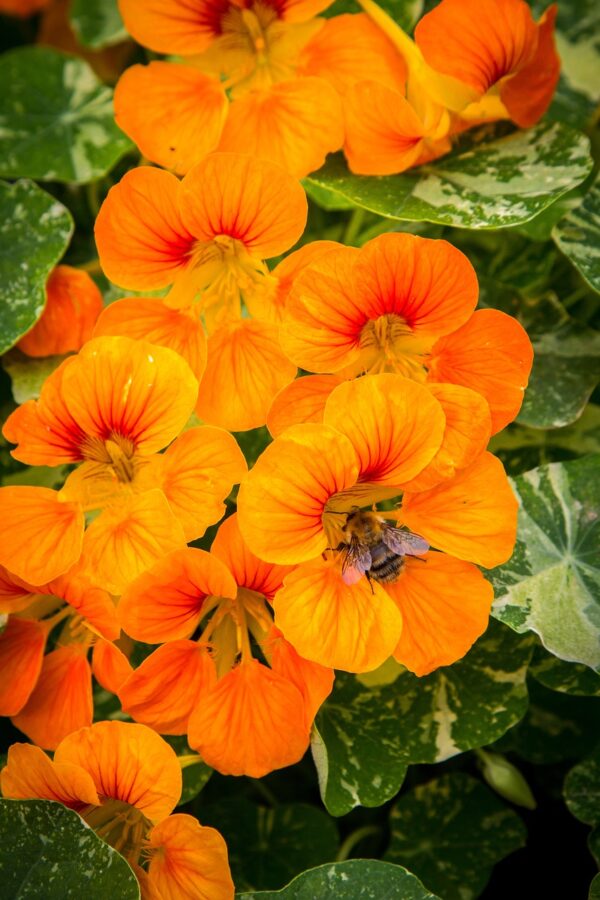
(582,790)
(35,231)
(565,677)
(48,852)
(56,118)
(97,23)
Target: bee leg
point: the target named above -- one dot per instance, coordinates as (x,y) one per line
(370,580)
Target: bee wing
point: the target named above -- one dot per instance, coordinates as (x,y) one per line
(357,561)
(404,543)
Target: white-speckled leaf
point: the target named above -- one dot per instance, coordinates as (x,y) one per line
(35,230)
(47,852)
(578,236)
(490,185)
(354,879)
(582,789)
(97,23)
(564,677)
(56,118)
(451,832)
(365,737)
(552,583)
(578,45)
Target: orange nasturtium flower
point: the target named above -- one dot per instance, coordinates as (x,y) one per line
(112,408)
(73,303)
(245,50)
(400,304)
(382,435)
(207,237)
(50,696)
(125,781)
(245,716)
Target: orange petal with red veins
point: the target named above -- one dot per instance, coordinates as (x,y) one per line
(468,426)
(351,48)
(272,308)
(314,681)
(251,200)
(15,594)
(294,124)
(127,762)
(354,628)
(174,26)
(142,241)
(246,368)
(73,303)
(94,604)
(229,725)
(166,688)
(527,94)
(190,861)
(127,538)
(110,666)
(301,401)
(197,473)
(62,699)
(22,646)
(35,517)
(166,602)
(29,775)
(299,10)
(384,134)
(492,355)
(281,502)
(445,606)
(149,319)
(174,113)
(248,570)
(473,516)
(477,41)
(395,425)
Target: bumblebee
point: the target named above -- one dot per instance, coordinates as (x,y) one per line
(373,548)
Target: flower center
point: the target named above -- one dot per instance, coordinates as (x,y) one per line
(116,452)
(389,344)
(119,824)
(231,626)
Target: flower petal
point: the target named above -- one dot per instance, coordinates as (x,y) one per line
(166,602)
(354,628)
(528,93)
(229,725)
(173,26)
(246,368)
(93,603)
(284,274)
(191,861)
(36,517)
(165,689)
(61,702)
(301,401)
(22,646)
(314,681)
(15,594)
(73,303)
(247,569)
(110,666)
(294,124)
(174,113)
(142,241)
(149,319)
(128,538)
(445,606)
(492,355)
(249,199)
(29,775)
(127,762)
(281,502)
(473,516)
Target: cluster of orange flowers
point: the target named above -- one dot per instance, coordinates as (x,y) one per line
(361,528)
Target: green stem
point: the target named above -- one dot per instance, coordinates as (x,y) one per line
(354,225)
(267,794)
(354,838)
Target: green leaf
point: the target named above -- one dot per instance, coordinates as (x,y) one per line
(366,737)
(594,845)
(195,773)
(582,790)
(491,185)
(451,832)
(551,584)
(564,677)
(566,364)
(367,879)
(556,727)
(48,852)
(578,45)
(578,236)
(35,230)
(594,893)
(56,118)
(97,23)
(269,846)
(27,373)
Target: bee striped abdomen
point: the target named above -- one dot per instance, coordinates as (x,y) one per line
(386,568)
